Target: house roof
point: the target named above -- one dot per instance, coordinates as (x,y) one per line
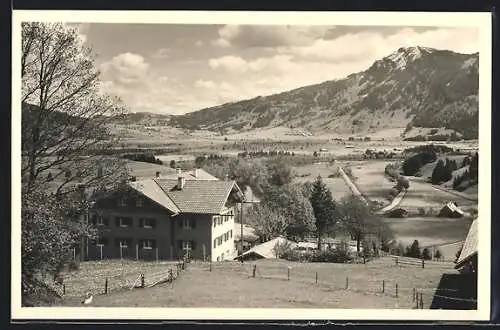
(198,196)
(191,175)
(469,248)
(454,208)
(153,191)
(266,249)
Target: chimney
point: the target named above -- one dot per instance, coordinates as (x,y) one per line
(227,177)
(180,183)
(179,171)
(196,172)
(157,174)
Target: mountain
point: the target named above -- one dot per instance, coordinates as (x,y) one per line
(142,118)
(413,86)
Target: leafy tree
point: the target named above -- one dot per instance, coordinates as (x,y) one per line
(172,163)
(324,208)
(358,219)
(403,182)
(65,110)
(279,173)
(290,201)
(438,255)
(441,172)
(267,222)
(412,165)
(64,131)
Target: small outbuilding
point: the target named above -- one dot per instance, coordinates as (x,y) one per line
(451,210)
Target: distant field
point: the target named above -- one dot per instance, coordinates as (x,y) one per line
(230,285)
(336,185)
(372,181)
(429,231)
(423,195)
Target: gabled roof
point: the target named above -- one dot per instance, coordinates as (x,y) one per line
(190,175)
(469,248)
(266,249)
(153,191)
(198,196)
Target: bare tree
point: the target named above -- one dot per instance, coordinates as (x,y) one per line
(65,112)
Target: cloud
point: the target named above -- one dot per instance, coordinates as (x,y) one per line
(161,53)
(229,63)
(199,43)
(207,84)
(125,69)
(370,45)
(269,35)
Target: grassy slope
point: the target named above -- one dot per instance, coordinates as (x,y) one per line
(336,185)
(230,285)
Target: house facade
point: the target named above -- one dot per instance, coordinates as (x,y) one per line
(166,218)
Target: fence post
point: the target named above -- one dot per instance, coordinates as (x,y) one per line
(396,290)
(383,286)
(423,262)
(142,280)
(397,260)
(210,265)
(157,259)
(414,293)
(106,286)
(64,289)
(421,300)
(253,270)
(170,275)
(288,273)
(204,252)
(74,254)
(347,283)
(316,277)
(364,260)
(136,251)
(100,249)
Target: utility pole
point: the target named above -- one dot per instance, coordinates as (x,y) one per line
(241,232)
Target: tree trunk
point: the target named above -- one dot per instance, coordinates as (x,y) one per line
(319,241)
(358,245)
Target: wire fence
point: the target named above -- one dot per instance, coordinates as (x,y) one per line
(397,286)
(104,277)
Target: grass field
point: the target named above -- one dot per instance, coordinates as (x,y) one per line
(430,231)
(371,180)
(91,276)
(423,195)
(230,284)
(337,185)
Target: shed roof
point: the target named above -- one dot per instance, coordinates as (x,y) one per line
(266,249)
(469,248)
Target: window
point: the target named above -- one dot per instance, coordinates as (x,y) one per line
(225,237)
(219,219)
(122,202)
(231,233)
(148,223)
(216,220)
(139,202)
(148,244)
(123,222)
(219,240)
(215,243)
(186,224)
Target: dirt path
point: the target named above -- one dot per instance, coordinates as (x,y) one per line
(395,202)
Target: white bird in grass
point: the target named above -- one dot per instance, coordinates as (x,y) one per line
(88,298)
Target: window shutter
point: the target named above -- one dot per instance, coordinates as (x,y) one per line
(193,245)
(193,223)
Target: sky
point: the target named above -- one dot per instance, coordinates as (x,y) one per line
(175,69)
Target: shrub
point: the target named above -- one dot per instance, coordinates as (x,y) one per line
(426,254)
(340,254)
(438,255)
(172,163)
(421,211)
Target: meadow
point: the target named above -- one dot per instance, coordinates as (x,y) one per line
(230,285)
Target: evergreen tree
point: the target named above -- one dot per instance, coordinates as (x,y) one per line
(426,254)
(323,207)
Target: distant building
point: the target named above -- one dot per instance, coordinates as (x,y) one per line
(189,214)
(250,239)
(266,250)
(451,210)
(467,261)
